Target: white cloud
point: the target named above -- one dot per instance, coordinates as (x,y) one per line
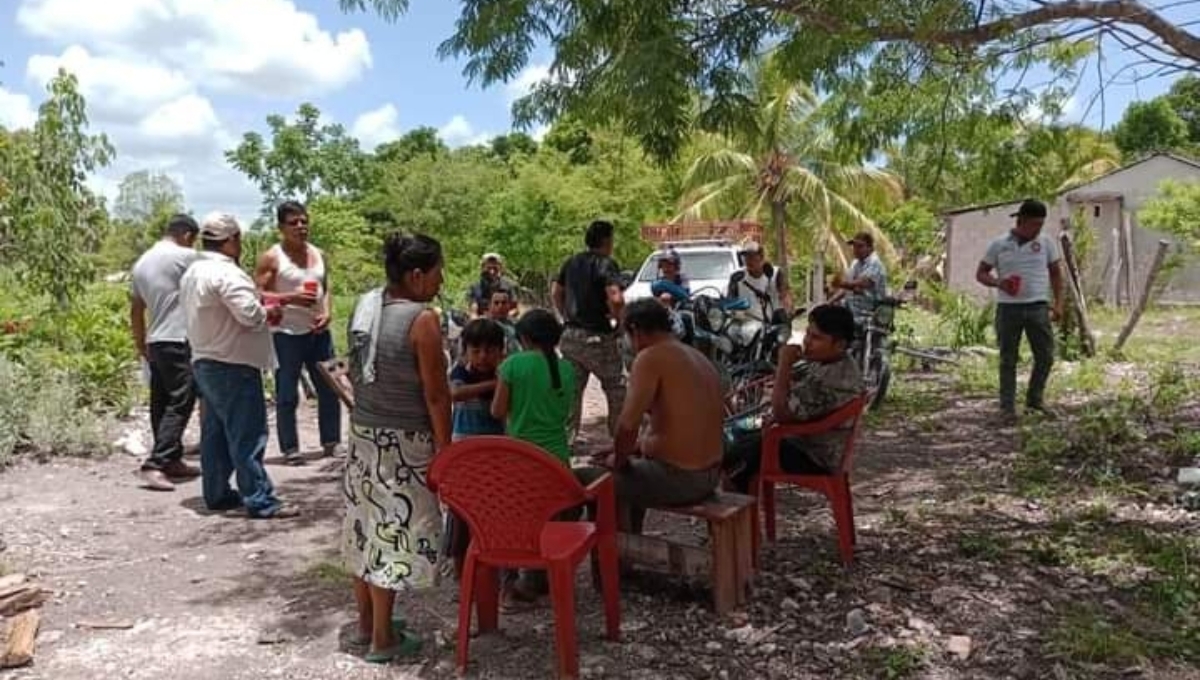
(458,131)
(376,126)
(16,111)
(525,81)
(150,68)
(116,89)
(259,47)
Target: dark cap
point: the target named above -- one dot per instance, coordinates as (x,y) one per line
(671,256)
(1031,208)
(863,238)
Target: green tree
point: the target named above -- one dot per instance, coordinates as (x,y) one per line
(1175,209)
(49,218)
(784,162)
(1184,97)
(303,160)
(146,193)
(1150,126)
(638,63)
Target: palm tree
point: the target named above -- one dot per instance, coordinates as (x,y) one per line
(784,160)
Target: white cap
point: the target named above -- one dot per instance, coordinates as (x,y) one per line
(488,257)
(219,226)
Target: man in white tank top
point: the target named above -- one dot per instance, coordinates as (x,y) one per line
(291,274)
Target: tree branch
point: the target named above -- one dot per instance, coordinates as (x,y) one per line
(1180,42)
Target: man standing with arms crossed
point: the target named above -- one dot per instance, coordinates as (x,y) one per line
(1023,266)
(587,294)
(164,347)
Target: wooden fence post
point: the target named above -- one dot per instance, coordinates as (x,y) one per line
(1075,290)
(1160,258)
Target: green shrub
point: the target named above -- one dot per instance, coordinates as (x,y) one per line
(40,413)
(89,341)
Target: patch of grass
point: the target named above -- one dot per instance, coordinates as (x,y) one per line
(1087,635)
(1153,572)
(893,663)
(978,376)
(329,573)
(986,547)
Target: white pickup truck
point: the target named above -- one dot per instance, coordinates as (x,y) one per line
(707,266)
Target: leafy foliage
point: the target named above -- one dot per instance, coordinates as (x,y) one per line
(304,158)
(49,219)
(1148,127)
(1175,209)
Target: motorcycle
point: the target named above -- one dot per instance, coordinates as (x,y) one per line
(872,347)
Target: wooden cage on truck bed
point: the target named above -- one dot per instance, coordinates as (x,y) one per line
(729,231)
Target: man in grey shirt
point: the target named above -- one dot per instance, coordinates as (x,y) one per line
(1023,265)
(164,346)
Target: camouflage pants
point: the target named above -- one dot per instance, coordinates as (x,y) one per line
(591,353)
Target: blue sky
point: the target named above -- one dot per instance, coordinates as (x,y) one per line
(175,82)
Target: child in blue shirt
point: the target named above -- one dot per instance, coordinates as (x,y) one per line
(472,385)
(473,380)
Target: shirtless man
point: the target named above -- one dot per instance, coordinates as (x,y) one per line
(678,459)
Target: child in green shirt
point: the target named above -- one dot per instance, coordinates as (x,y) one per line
(536,388)
(535,394)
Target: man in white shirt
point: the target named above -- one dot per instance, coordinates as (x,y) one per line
(1023,266)
(227,328)
(761,285)
(163,346)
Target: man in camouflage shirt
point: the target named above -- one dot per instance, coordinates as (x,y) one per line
(828,379)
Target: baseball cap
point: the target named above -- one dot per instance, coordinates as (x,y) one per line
(1030,208)
(671,256)
(491,257)
(751,247)
(219,226)
(864,238)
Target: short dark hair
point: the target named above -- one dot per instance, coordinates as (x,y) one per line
(213,245)
(833,320)
(598,232)
(288,209)
(647,316)
(182,225)
(403,253)
(483,333)
(502,290)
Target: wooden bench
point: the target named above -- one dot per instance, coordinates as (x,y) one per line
(336,374)
(729,561)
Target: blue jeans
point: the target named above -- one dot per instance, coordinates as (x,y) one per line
(294,352)
(233,438)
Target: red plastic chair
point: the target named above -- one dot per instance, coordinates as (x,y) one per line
(508,492)
(835,486)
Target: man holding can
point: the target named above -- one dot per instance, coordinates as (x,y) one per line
(1023,266)
(291,274)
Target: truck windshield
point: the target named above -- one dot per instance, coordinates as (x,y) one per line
(697,266)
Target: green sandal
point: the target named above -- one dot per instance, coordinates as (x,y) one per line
(407,646)
(359,640)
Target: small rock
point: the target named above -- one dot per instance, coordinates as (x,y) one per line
(990,579)
(881,594)
(273,637)
(856,622)
(768,649)
(713,646)
(743,634)
(959,646)
(789,604)
(799,583)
